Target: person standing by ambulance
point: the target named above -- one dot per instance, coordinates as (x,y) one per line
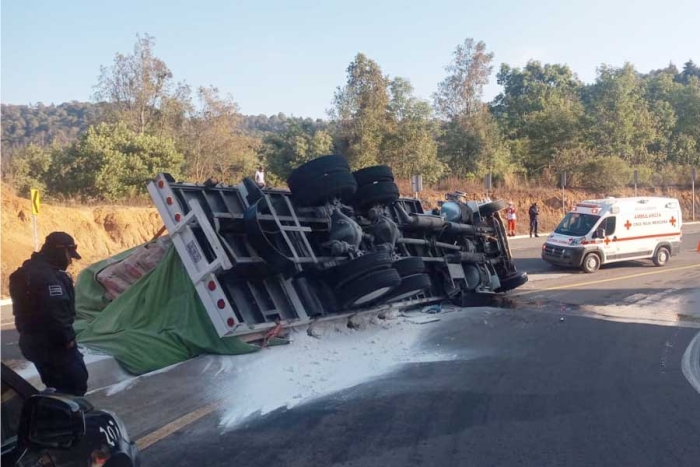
(511,217)
(534,213)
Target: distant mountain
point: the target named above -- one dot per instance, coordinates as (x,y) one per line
(47,124)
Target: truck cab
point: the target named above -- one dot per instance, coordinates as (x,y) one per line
(597,232)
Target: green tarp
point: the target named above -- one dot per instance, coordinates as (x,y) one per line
(158,321)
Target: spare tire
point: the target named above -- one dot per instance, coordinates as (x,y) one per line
(368,288)
(377,193)
(376,173)
(492,207)
(318,190)
(409,266)
(410,286)
(351,270)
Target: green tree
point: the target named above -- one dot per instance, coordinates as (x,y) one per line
(471,143)
(30,168)
(300,143)
(539,109)
(213,142)
(460,93)
(605,173)
(360,112)
(112,162)
(410,147)
(685,139)
(690,70)
(473,146)
(620,120)
(140,90)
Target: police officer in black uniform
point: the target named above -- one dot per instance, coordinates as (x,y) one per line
(43,302)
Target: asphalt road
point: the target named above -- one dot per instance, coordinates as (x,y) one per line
(612,283)
(543,392)
(9,337)
(523,387)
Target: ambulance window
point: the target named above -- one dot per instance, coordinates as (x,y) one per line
(609,225)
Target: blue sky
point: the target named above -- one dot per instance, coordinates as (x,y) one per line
(275,56)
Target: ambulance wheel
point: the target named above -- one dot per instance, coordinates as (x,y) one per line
(591,263)
(661,257)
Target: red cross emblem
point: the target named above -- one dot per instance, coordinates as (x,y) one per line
(628,224)
(673,221)
(607,241)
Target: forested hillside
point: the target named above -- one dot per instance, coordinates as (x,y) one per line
(545,121)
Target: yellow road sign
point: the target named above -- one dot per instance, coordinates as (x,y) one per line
(36,201)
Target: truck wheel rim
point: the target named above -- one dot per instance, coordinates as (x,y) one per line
(592,263)
(663,257)
(408,294)
(372,295)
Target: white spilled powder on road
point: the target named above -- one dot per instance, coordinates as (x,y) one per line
(311,367)
(119,387)
(667,307)
(542,277)
(128,383)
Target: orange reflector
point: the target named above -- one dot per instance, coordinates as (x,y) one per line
(161,184)
(212,285)
(169,200)
(230,322)
(221,303)
(178,217)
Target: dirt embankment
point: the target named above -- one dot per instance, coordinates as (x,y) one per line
(106,230)
(99,231)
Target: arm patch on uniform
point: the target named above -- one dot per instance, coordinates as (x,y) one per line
(55,291)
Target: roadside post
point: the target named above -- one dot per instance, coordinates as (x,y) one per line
(636,180)
(563,185)
(487,183)
(36,204)
(416,184)
(693,174)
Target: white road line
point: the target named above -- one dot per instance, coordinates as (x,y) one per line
(691,363)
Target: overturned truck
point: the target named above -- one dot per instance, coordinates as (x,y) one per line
(337,241)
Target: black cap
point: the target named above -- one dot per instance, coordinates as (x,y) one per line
(62,240)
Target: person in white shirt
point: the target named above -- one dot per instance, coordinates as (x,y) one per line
(511,216)
(260,177)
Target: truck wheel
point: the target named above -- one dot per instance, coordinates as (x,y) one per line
(316,168)
(377,193)
(661,257)
(409,266)
(368,288)
(351,270)
(377,173)
(410,286)
(512,282)
(493,207)
(591,263)
(325,187)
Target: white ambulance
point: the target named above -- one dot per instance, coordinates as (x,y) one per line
(610,230)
